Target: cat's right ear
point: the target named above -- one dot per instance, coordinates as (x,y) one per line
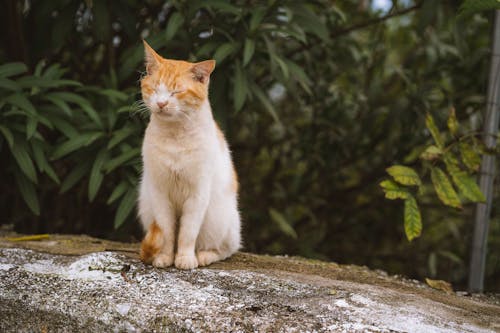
(152,59)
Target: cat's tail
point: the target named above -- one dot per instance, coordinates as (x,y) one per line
(152,243)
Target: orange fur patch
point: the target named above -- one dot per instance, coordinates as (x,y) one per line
(152,243)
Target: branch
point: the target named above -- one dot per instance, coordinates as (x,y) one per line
(361,25)
(374,21)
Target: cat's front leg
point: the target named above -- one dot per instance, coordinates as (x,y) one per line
(193,211)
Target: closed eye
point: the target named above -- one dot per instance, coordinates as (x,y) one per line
(176,92)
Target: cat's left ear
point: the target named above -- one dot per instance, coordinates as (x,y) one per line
(202,70)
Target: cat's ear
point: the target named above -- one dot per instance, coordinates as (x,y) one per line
(152,59)
(202,70)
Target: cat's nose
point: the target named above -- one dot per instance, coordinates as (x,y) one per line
(161,105)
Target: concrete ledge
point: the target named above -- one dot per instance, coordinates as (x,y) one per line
(72,284)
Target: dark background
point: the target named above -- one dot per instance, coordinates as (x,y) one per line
(317,99)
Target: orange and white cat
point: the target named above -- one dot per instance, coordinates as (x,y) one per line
(188,194)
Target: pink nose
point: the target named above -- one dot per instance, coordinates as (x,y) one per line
(161,104)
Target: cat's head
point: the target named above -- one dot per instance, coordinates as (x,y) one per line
(173,87)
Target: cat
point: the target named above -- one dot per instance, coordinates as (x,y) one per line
(188,195)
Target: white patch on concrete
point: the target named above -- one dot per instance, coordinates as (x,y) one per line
(6,267)
(123,308)
(341,303)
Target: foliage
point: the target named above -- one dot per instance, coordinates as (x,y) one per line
(469,7)
(316,99)
(44,125)
(434,155)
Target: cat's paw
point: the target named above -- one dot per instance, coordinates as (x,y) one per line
(163,260)
(186,262)
(207,257)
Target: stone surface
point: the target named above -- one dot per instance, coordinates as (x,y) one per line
(83,284)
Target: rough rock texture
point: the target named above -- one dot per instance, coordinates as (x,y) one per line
(83,284)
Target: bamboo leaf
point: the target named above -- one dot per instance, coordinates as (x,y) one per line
(120,135)
(444,189)
(22,102)
(240,88)
(23,159)
(412,219)
(393,190)
(224,51)
(404,175)
(96,175)
(13,68)
(264,100)
(75,143)
(125,208)
(7,135)
(74,176)
(28,192)
(282,223)
(174,23)
(257,17)
(118,192)
(248,51)
(431,126)
(122,159)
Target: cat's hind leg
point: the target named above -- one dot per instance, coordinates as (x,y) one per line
(211,246)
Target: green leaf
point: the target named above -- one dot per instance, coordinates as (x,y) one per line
(431,153)
(28,192)
(75,175)
(22,102)
(225,50)
(61,104)
(300,76)
(470,7)
(64,127)
(7,135)
(248,51)
(282,223)
(75,143)
(431,126)
(96,175)
(118,192)
(240,88)
(257,17)
(41,161)
(404,175)
(122,159)
(31,125)
(80,101)
(264,100)
(9,84)
(120,135)
(174,23)
(22,157)
(393,190)
(412,219)
(467,185)
(309,21)
(469,156)
(444,189)
(125,208)
(13,68)
(452,122)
